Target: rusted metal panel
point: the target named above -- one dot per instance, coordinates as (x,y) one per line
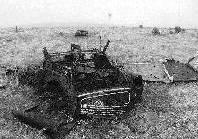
(150,71)
(167,71)
(180,71)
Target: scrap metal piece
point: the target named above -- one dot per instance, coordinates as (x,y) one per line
(180,71)
(168,70)
(150,71)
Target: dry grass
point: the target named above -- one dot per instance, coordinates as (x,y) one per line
(168,110)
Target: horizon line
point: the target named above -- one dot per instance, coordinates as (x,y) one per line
(59,24)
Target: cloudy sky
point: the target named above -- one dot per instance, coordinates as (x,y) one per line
(160,13)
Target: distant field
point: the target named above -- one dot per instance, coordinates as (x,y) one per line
(168,110)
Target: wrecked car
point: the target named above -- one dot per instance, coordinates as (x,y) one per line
(89,76)
(83,83)
(81,33)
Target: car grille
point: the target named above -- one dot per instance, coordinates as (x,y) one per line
(105,104)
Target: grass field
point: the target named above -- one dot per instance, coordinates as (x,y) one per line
(167,111)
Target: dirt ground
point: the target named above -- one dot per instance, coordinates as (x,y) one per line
(167,111)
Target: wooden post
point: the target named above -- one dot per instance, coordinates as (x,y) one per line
(16,29)
(100,42)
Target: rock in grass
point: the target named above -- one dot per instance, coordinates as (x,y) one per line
(155,31)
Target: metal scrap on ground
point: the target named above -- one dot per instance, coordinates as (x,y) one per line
(167,71)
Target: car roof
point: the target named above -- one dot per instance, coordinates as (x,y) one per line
(82,31)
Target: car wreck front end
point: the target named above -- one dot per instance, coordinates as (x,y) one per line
(105,103)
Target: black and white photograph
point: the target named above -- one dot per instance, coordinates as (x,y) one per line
(98,69)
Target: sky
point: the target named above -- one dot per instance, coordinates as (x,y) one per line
(159,13)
